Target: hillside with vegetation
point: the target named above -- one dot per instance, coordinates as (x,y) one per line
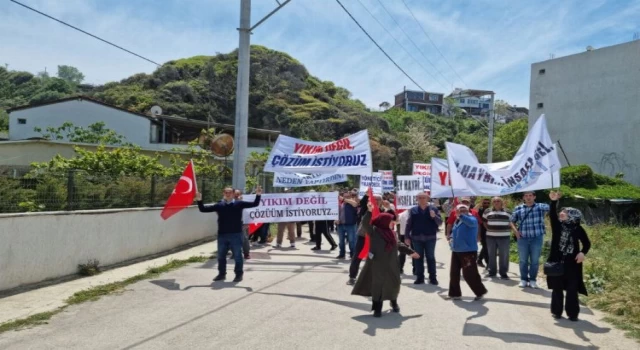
(284,96)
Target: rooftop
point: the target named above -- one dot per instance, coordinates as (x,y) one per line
(470,92)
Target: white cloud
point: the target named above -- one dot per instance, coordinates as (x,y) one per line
(491,44)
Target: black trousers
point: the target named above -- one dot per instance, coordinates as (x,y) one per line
(567,296)
(355,261)
(484,253)
(322,228)
(402,258)
(312,235)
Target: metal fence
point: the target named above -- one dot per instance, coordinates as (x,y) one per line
(80,190)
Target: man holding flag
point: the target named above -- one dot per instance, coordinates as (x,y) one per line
(230,232)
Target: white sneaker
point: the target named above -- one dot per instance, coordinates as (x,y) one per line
(293,245)
(278,245)
(523,284)
(533,285)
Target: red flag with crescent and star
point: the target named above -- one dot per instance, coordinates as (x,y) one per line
(183,194)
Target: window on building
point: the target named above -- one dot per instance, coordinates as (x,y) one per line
(542,71)
(485,105)
(415,95)
(433,97)
(540,105)
(22,121)
(462,100)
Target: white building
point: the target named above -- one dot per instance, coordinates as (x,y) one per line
(149,132)
(476,103)
(592,104)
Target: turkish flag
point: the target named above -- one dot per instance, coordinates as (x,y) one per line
(183,194)
(375,212)
(254,227)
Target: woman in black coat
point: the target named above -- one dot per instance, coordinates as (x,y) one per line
(380,277)
(565,248)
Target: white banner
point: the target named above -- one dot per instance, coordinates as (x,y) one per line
(351,155)
(387,180)
(374,180)
(290,207)
(302,180)
(425,171)
(408,188)
(441,181)
(532,168)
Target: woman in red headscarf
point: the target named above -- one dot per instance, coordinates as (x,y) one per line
(380,277)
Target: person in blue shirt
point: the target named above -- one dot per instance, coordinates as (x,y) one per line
(230,233)
(464,255)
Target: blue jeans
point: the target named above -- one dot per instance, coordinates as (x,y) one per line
(233,242)
(426,249)
(529,250)
(347,232)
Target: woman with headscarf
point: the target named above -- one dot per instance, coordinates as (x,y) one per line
(565,250)
(380,276)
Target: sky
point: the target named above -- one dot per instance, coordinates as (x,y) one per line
(481,44)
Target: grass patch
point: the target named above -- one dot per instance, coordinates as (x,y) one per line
(95,293)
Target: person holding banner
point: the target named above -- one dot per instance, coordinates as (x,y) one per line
(347,225)
(530,234)
(380,277)
(464,244)
(230,233)
(421,233)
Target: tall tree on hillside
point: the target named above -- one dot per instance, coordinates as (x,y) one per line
(417,139)
(385,105)
(70,74)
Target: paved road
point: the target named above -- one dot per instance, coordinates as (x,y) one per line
(294,299)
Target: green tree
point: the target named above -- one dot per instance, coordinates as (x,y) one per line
(95,133)
(4,120)
(70,74)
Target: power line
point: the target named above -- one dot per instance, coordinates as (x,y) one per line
(87,33)
(379,47)
(398,42)
(414,43)
(434,44)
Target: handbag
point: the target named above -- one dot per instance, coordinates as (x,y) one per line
(554,269)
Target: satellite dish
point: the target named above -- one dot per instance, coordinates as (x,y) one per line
(156,110)
(222,145)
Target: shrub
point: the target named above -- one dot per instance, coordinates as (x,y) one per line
(91,268)
(578,176)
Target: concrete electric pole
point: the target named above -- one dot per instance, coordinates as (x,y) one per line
(492,118)
(242,91)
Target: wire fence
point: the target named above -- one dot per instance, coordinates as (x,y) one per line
(80,190)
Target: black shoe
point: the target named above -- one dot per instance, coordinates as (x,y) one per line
(315,248)
(351,281)
(340,257)
(419,281)
(394,306)
(433,281)
(480,264)
(557,317)
(504,277)
(574,319)
(377,313)
(334,247)
(238,278)
(491,275)
(220,277)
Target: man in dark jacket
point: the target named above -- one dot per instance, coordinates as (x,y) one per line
(421,232)
(230,233)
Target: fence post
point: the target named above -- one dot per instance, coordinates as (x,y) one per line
(203,190)
(152,192)
(71,190)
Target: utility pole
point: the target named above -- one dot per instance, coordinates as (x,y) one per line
(241,131)
(492,118)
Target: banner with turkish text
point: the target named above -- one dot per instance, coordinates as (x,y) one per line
(292,207)
(303,180)
(441,181)
(425,171)
(409,186)
(532,168)
(387,180)
(350,155)
(183,194)
(373,180)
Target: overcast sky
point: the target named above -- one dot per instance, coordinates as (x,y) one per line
(483,44)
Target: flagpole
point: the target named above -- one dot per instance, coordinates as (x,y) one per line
(450,182)
(195,180)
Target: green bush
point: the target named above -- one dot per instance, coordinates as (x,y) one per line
(578,176)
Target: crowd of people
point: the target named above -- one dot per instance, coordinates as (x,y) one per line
(393,234)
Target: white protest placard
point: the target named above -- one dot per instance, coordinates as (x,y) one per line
(387,180)
(425,171)
(302,180)
(291,207)
(408,189)
(373,180)
(350,155)
(532,168)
